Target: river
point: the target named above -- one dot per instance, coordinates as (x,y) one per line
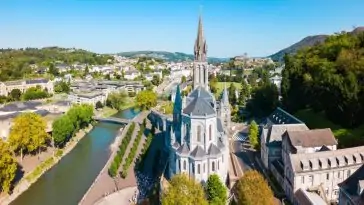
(68,181)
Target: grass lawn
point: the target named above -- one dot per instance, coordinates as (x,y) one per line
(220,86)
(129,102)
(108,111)
(346,137)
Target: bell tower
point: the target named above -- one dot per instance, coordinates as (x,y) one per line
(200,65)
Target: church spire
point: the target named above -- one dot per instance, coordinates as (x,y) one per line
(200,43)
(225,96)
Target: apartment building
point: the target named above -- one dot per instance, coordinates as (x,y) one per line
(23,85)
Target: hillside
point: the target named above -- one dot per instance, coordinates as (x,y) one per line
(168,56)
(306,42)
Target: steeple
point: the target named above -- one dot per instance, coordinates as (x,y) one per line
(225,96)
(200,43)
(178,100)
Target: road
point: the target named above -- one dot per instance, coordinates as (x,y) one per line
(244,155)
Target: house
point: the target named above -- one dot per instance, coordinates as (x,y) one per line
(131,74)
(87,98)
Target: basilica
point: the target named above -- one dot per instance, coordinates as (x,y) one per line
(197,139)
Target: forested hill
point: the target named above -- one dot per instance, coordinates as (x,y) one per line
(15,63)
(328,78)
(306,42)
(168,56)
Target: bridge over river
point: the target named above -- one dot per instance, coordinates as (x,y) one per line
(112,119)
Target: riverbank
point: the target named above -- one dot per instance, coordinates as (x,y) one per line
(43,167)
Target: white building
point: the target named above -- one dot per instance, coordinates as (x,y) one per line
(131,74)
(87,98)
(23,85)
(197,137)
(309,160)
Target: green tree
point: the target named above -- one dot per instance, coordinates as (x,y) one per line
(232,95)
(146,99)
(183,79)
(116,100)
(253,134)
(252,189)
(62,87)
(62,130)
(8,167)
(15,94)
(264,100)
(216,191)
(183,190)
(244,93)
(213,83)
(53,70)
(34,93)
(28,133)
(156,80)
(99,105)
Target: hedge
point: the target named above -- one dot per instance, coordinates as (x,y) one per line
(133,151)
(113,169)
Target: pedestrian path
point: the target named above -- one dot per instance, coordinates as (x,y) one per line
(240,137)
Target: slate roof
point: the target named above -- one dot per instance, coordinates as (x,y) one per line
(199,107)
(183,150)
(200,92)
(350,185)
(312,138)
(308,198)
(280,116)
(274,133)
(198,152)
(219,125)
(36,81)
(214,150)
(20,106)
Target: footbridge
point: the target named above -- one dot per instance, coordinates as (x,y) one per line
(112,119)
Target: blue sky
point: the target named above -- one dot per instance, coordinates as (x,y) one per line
(232,27)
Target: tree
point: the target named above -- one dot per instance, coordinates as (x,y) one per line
(28,133)
(253,134)
(215,190)
(62,87)
(156,80)
(252,189)
(8,167)
(213,83)
(62,130)
(183,190)
(183,79)
(99,105)
(244,93)
(232,95)
(116,100)
(264,100)
(146,99)
(53,70)
(15,94)
(34,93)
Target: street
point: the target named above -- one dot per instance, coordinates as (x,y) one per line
(244,155)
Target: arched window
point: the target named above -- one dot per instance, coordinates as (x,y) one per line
(218,165)
(198,169)
(210,132)
(184,165)
(198,133)
(213,166)
(203,167)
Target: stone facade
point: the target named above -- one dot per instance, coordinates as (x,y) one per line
(196,135)
(310,163)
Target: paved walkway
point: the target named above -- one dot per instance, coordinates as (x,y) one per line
(104,184)
(121,197)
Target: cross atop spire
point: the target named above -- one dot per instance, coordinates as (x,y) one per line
(200,44)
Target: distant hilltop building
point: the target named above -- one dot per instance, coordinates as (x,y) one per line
(196,136)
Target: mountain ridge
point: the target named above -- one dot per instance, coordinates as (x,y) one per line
(168,56)
(306,42)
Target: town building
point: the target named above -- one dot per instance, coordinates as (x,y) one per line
(196,135)
(23,85)
(91,92)
(309,164)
